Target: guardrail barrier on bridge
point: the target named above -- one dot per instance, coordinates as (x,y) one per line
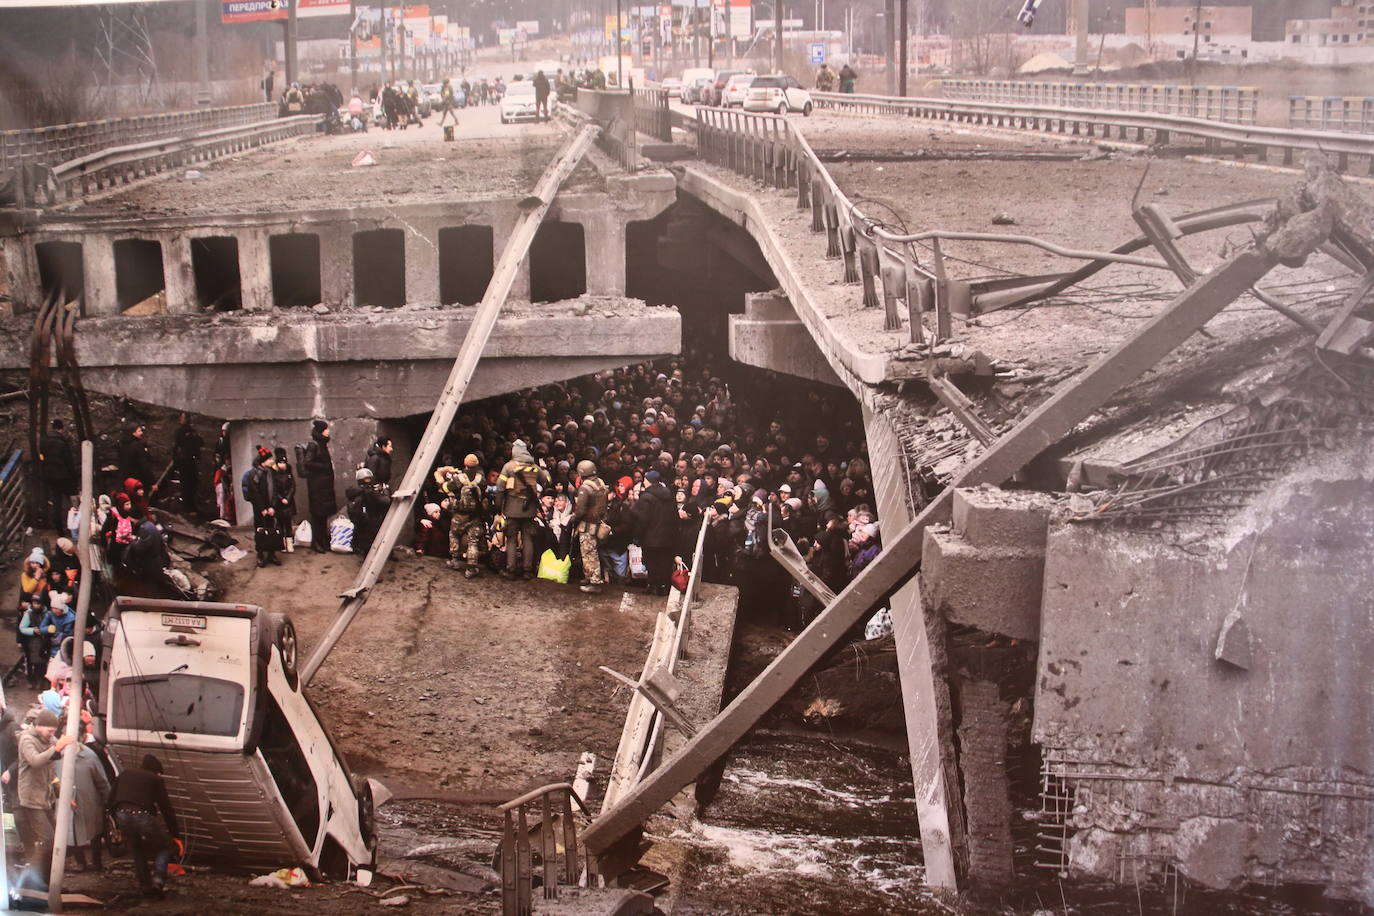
(1231,104)
(1351,114)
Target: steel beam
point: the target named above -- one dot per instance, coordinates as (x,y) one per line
(1042,428)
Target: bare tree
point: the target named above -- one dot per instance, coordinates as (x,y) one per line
(982,35)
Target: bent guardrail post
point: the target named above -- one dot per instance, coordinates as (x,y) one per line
(464,365)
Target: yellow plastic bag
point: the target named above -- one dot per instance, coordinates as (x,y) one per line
(554,569)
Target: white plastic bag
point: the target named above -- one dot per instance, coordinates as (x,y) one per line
(879,626)
(303,532)
(637,568)
(341,535)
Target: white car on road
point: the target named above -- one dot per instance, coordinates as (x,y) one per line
(736,90)
(777,93)
(518,102)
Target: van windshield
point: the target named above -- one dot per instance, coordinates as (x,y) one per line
(181,703)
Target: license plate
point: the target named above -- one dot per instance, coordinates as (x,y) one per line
(183,620)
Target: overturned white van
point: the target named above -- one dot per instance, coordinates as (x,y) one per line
(211,690)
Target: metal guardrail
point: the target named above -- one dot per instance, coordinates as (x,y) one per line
(1231,104)
(13,500)
(652,115)
(1082,121)
(59,143)
(122,164)
(517,866)
(1351,114)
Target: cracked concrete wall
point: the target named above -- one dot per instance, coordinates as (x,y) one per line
(1254,769)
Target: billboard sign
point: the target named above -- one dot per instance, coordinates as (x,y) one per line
(528,26)
(235,11)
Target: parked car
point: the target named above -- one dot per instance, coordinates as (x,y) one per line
(211,690)
(518,103)
(693,93)
(673,86)
(717,86)
(430,93)
(778,93)
(735,91)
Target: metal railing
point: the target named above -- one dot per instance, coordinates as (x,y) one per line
(13,500)
(1139,126)
(1351,114)
(517,865)
(122,164)
(1231,104)
(652,116)
(59,143)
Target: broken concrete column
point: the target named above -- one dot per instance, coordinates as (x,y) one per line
(21,269)
(255,269)
(98,262)
(503,224)
(604,237)
(422,262)
(987,570)
(178,274)
(336,264)
(349,439)
(769,335)
(987,795)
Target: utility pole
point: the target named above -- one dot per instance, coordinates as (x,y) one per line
(67,791)
(202,53)
(1080,52)
(290,42)
(1197,33)
(889,42)
(901,44)
(353,43)
(777,38)
(729,37)
(619,68)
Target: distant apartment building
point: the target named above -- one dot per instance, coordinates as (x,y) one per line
(1349,24)
(1209,22)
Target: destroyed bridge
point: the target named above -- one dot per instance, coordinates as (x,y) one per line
(1121,452)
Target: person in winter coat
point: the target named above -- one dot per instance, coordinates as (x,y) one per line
(147,555)
(466,492)
(285,482)
(92,788)
(145,816)
(58,623)
(33,578)
(34,816)
(367,504)
(186,448)
(135,460)
(318,471)
(589,511)
(262,493)
(59,471)
(518,488)
(656,531)
(378,461)
(32,641)
(431,532)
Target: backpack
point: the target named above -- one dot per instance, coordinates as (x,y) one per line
(302,452)
(469,497)
(245,485)
(124,528)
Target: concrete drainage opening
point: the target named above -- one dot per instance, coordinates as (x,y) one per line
(295,268)
(465,263)
(558,263)
(60,269)
(215,263)
(138,276)
(379,267)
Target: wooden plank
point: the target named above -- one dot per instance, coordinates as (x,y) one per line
(638,721)
(1043,427)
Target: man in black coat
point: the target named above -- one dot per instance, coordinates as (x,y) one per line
(186,447)
(656,530)
(378,461)
(318,471)
(262,493)
(135,461)
(59,471)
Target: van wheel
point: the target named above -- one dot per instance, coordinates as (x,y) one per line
(806,112)
(284,637)
(782,108)
(367,815)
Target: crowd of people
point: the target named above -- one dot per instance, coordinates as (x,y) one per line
(611,476)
